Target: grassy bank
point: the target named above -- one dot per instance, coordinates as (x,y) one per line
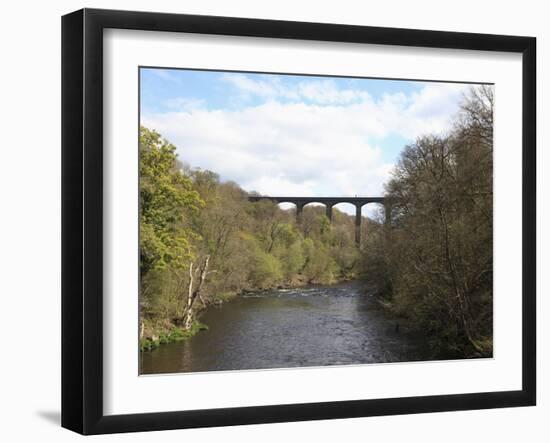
(168,333)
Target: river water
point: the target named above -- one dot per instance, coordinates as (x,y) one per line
(312,326)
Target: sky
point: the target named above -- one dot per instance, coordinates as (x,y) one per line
(292,135)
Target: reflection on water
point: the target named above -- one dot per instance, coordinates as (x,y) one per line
(312,326)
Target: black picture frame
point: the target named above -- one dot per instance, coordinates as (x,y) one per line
(82,218)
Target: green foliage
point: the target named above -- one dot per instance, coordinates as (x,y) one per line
(266,270)
(166,196)
(292,259)
(172,335)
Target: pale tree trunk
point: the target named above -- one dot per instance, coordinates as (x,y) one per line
(189,303)
(193,293)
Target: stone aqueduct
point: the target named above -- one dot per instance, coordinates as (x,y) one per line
(329,202)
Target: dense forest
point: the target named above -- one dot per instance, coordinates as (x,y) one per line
(434,267)
(202,242)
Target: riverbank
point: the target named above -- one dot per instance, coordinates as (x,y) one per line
(154,335)
(169,334)
(441,346)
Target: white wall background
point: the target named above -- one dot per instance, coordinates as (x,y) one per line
(30,219)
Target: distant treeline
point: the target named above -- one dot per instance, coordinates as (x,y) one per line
(434,266)
(202,242)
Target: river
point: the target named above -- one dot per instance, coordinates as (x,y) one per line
(313,326)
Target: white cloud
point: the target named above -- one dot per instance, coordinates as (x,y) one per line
(324,91)
(263,88)
(280,148)
(305,149)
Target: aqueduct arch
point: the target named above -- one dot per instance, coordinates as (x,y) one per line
(329,202)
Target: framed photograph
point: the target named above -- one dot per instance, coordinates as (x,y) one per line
(269,221)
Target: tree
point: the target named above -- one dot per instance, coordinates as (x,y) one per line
(437,262)
(166,197)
